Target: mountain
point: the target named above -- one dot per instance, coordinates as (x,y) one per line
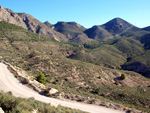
(48,24)
(98,33)
(73,31)
(30,23)
(69,29)
(91,70)
(117,26)
(11,17)
(146,28)
(23,48)
(36,26)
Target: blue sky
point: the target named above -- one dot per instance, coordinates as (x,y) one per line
(84,12)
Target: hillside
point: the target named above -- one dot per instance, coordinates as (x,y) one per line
(24,49)
(73,31)
(98,33)
(108,62)
(118,53)
(146,28)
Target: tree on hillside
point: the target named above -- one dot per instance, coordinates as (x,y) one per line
(41,78)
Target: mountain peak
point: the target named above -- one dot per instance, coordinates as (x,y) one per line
(117,25)
(48,24)
(73,24)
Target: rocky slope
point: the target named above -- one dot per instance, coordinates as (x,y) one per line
(36,26)
(48,24)
(11,17)
(29,22)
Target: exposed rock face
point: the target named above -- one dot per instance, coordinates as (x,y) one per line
(98,102)
(11,17)
(1,110)
(30,23)
(24,78)
(36,26)
(50,91)
(98,33)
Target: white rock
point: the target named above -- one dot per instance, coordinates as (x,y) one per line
(52,91)
(52,104)
(1,110)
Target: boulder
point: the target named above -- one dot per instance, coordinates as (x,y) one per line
(50,91)
(52,104)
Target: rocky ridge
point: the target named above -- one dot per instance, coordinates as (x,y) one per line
(30,23)
(11,17)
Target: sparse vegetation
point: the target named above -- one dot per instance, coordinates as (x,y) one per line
(11,104)
(80,76)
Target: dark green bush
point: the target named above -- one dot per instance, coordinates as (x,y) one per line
(41,78)
(99,76)
(122,95)
(123,76)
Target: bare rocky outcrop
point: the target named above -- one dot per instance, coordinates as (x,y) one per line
(52,104)
(98,102)
(11,17)
(50,91)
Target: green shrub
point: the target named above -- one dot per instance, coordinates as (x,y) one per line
(123,76)
(100,77)
(122,95)
(41,78)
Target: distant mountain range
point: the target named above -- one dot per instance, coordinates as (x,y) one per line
(69,31)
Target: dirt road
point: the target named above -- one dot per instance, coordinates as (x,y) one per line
(9,83)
